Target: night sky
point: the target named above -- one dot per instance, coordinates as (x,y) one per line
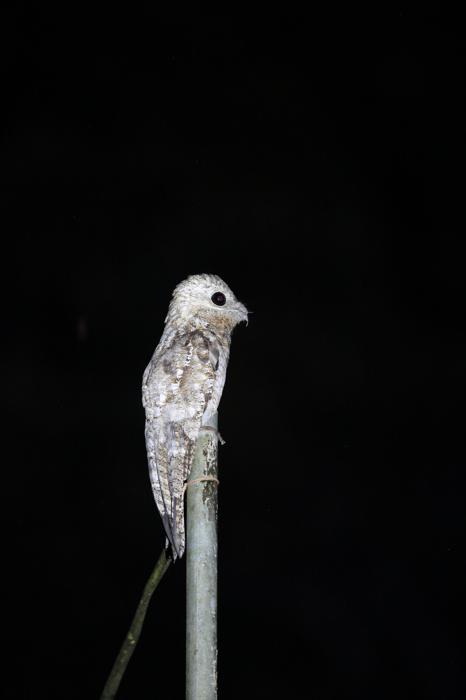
(317,165)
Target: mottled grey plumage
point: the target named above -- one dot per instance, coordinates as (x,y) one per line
(183,384)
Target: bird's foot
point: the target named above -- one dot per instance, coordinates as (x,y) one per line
(214,430)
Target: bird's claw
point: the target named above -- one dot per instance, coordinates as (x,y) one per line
(214,430)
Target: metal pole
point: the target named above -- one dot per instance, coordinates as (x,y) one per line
(201,569)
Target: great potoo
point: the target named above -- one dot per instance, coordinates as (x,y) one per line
(182,386)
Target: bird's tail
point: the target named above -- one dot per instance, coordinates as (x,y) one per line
(178,541)
(170,541)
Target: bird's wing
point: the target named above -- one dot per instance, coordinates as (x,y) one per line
(176,390)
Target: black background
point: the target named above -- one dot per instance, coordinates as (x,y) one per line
(316,164)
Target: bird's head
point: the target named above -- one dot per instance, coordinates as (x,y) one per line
(207,299)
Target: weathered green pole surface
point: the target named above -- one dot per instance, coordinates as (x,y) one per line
(201,568)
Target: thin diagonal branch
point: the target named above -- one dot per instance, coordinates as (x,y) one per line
(131,639)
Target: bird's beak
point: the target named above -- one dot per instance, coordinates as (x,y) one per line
(242,311)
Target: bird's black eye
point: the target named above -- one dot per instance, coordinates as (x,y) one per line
(218,298)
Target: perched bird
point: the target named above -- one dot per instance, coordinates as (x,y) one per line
(182,386)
